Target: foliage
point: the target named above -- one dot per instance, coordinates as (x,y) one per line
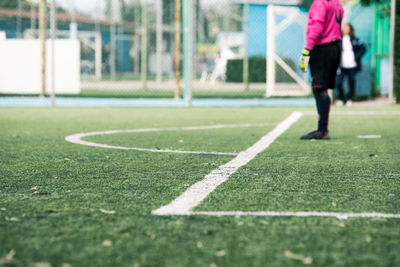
(13,4)
(257,70)
(382,5)
(306,4)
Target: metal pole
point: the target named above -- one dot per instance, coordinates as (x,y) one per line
(159,33)
(246,45)
(33,16)
(98,56)
(98,52)
(188,49)
(112,41)
(200,24)
(177,53)
(73,26)
(391,56)
(137,38)
(42,26)
(143,70)
(19,19)
(53,55)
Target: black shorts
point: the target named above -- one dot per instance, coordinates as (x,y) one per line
(324,63)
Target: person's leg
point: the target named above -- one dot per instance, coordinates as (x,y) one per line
(352,84)
(323,102)
(340,85)
(320,71)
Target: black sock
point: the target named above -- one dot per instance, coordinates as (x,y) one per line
(323,102)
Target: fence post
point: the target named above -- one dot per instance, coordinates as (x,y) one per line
(188,50)
(33,16)
(391,57)
(143,70)
(19,19)
(177,52)
(112,41)
(246,45)
(159,41)
(53,43)
(42,26)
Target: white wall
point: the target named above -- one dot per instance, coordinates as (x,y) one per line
(20,66)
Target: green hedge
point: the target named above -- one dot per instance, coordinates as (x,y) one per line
(257,70)
(397,54)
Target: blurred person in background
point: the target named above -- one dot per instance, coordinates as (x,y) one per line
(352,51)
(220,63)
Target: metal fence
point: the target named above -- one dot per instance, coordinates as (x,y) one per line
(172,48)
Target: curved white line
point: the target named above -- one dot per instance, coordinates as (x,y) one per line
(77,138)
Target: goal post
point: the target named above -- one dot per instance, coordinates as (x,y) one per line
(282,59)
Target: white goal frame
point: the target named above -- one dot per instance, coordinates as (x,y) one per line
(302,87)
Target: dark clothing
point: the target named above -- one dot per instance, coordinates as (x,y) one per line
(323,102)
(324,62)
(359,50)
(351,75)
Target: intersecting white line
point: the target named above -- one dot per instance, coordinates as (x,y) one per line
(195,194)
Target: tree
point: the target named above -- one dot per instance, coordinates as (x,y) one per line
(13,4)
(382,5)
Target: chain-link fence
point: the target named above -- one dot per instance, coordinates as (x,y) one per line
(136,48)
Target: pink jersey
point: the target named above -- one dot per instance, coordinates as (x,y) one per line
(324,23)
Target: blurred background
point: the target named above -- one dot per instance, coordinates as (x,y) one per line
(172,48)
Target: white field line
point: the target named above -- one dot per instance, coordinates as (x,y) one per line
(338,215)
(369,136)
(195,194)
(77,138)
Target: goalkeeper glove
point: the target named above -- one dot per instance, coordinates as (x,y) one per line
(304,60)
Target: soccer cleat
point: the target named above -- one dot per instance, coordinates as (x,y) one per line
(316,135)
(349,103)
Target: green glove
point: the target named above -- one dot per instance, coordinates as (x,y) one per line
(304,60)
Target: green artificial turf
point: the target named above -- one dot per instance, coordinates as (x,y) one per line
(65,224)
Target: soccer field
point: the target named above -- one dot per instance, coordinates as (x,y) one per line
(199,187)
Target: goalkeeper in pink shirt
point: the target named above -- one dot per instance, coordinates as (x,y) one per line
(322,53)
